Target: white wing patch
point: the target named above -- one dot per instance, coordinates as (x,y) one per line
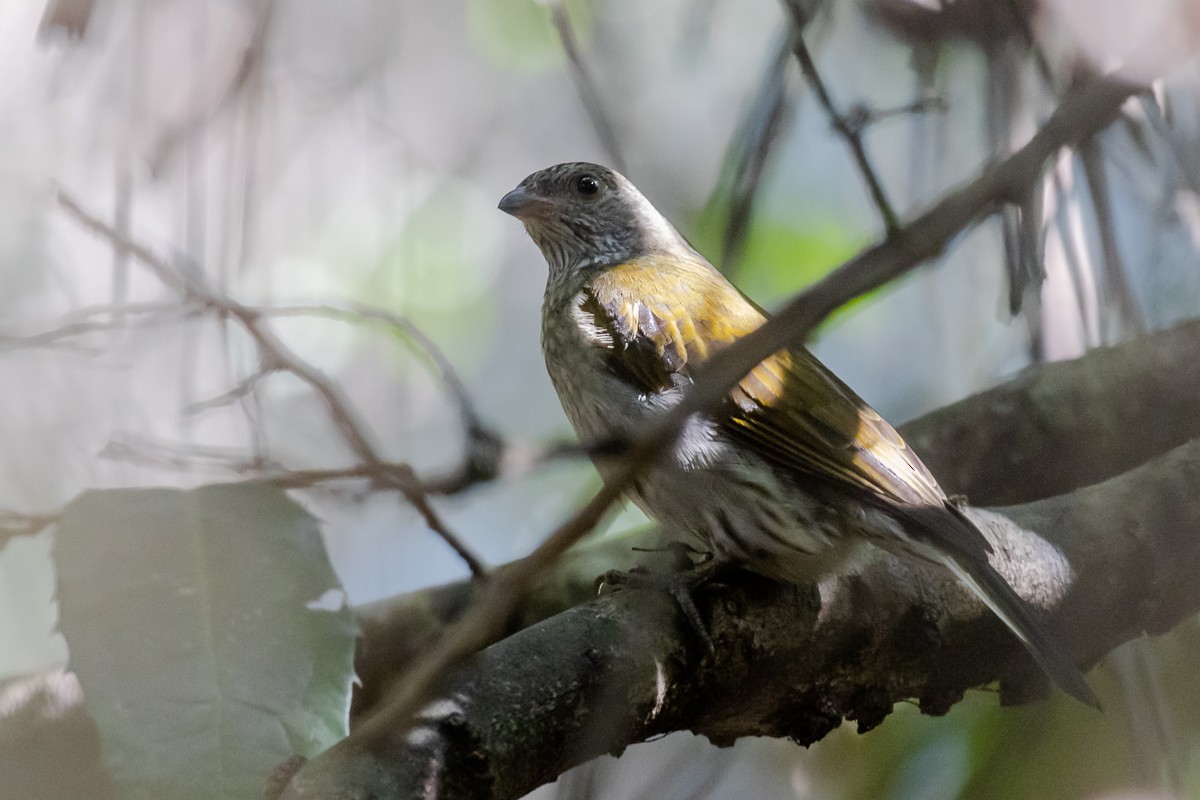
(585,321)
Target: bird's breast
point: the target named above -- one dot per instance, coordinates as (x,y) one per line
(598,403)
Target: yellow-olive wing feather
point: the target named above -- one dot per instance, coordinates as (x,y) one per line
(664,315)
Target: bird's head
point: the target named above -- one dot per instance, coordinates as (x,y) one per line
(583,215)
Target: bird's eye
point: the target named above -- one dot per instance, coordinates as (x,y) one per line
(587,185)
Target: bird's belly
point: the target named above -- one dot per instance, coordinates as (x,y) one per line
(707,492)
(742,511)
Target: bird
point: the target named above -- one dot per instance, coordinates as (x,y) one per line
(794,476)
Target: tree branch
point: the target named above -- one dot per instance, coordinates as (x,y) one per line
(1105,563)
(1057,427)
(847,128)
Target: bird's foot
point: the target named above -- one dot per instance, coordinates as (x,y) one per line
(680,585)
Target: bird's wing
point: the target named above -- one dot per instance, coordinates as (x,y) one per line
(664,315)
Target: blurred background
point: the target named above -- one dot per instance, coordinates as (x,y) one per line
(299,152)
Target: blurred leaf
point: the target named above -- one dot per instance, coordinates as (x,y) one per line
(445,257)
(440,271)
(519,34)
(780,259)
(70,17)
(188,622)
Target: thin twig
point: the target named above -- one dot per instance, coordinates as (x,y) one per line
(15,523)
(484,445)
(160,454)
(97,319)
(274,352)
(1116,283)
(750,148)
(239,390)
(850,130)
(382,475)
(584,84)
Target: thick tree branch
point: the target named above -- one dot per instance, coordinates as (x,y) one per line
(1054,428)
(1105,563)
(1113,406)
(1060,426)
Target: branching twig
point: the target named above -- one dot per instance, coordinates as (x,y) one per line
(484,446)
(849,129)
(1086,109)
(232,395)
(750,149)
(97,319)
(274,352)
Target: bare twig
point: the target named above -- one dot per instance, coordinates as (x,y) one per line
(97,319)
(584,84)
(383,475)
(849,129)
(275,353)
(1118,292)
(160,454)
(238,391)
(15,523)
(484,445)
(750,148)
(1085,109)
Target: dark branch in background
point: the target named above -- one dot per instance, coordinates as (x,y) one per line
(1117,290)
(749,150)
(1021,222)
(1085,109)
(588,94)
(986,23)
(275,355)
(848,128)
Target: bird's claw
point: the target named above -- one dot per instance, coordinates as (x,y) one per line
(679,585)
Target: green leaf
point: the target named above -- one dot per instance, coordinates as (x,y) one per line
(781,258)
(190,622)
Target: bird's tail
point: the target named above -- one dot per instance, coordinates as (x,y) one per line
(990,587)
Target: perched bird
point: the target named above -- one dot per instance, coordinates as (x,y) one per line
(794,473)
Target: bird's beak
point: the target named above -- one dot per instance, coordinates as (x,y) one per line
(523,204)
